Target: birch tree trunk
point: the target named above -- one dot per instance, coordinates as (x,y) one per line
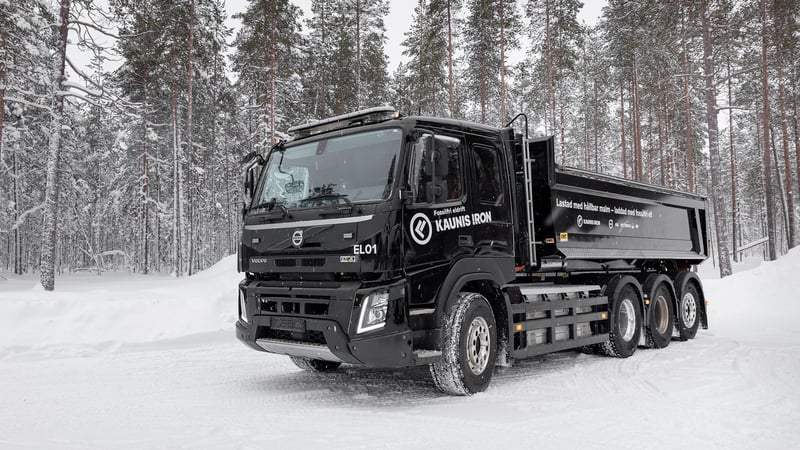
(50,225)
(717,196)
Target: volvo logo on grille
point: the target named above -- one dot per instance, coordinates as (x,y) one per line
(297,238)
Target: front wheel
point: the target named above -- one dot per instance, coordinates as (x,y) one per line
(469,346)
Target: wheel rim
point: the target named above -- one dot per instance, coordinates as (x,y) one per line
(688,309)
(662,314)
(478,345)
(627,320)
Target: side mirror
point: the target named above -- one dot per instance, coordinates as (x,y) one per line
(251,175)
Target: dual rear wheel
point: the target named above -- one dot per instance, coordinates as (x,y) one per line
(663,320)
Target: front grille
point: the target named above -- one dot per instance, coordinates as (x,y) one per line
(304,262)
(313,262)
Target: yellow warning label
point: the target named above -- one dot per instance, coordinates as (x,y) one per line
(564,237)
(549,241)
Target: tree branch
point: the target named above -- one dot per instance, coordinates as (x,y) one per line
(94,27)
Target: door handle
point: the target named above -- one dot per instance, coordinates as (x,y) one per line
(465,240)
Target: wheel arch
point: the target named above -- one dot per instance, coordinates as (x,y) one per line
(485,276)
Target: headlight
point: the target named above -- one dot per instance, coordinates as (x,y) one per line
(242,307)
(373,312)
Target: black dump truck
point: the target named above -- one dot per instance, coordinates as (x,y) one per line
(381,240)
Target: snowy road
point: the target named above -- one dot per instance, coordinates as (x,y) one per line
(211,392)
(732,387)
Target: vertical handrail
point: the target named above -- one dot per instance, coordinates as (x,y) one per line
(527,170)
(527,173)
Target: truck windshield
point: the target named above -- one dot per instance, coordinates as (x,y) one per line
(341,170)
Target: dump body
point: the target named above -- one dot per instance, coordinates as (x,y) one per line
(591,219)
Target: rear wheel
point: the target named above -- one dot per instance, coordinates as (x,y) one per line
(660,315)
(469,347)
(626,324)
(314,365)
(688,314)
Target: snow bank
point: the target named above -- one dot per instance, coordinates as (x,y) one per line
(759,305)
(101,312)
(111,309)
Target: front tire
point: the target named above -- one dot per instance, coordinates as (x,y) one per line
(314,365)
(469,346)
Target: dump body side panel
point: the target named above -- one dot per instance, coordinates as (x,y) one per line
(583,215)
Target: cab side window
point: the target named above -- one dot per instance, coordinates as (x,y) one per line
(488,169)
(436,171)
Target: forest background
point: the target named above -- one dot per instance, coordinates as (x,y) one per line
(136,167)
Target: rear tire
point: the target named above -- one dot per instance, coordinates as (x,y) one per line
(314,365)
(626,324)
(469,346)
(688,314)
(660,316)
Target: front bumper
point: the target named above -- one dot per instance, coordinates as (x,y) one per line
(318,321)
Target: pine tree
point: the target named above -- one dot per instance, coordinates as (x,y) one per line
(559,46)
(266,60)
(483,55)
(717,194)
(426,46)
(25,86)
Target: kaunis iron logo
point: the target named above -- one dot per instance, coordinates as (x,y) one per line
(421,229)
(297,238)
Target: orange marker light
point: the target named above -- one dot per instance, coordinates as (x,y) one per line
(518,327)
(647,302)
(603,316)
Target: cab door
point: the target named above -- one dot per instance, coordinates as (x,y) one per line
(436,214)
(492,229)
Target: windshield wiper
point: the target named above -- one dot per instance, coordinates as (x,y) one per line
(330,196)
(271,205)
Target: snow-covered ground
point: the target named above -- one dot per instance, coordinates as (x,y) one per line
(121,361)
